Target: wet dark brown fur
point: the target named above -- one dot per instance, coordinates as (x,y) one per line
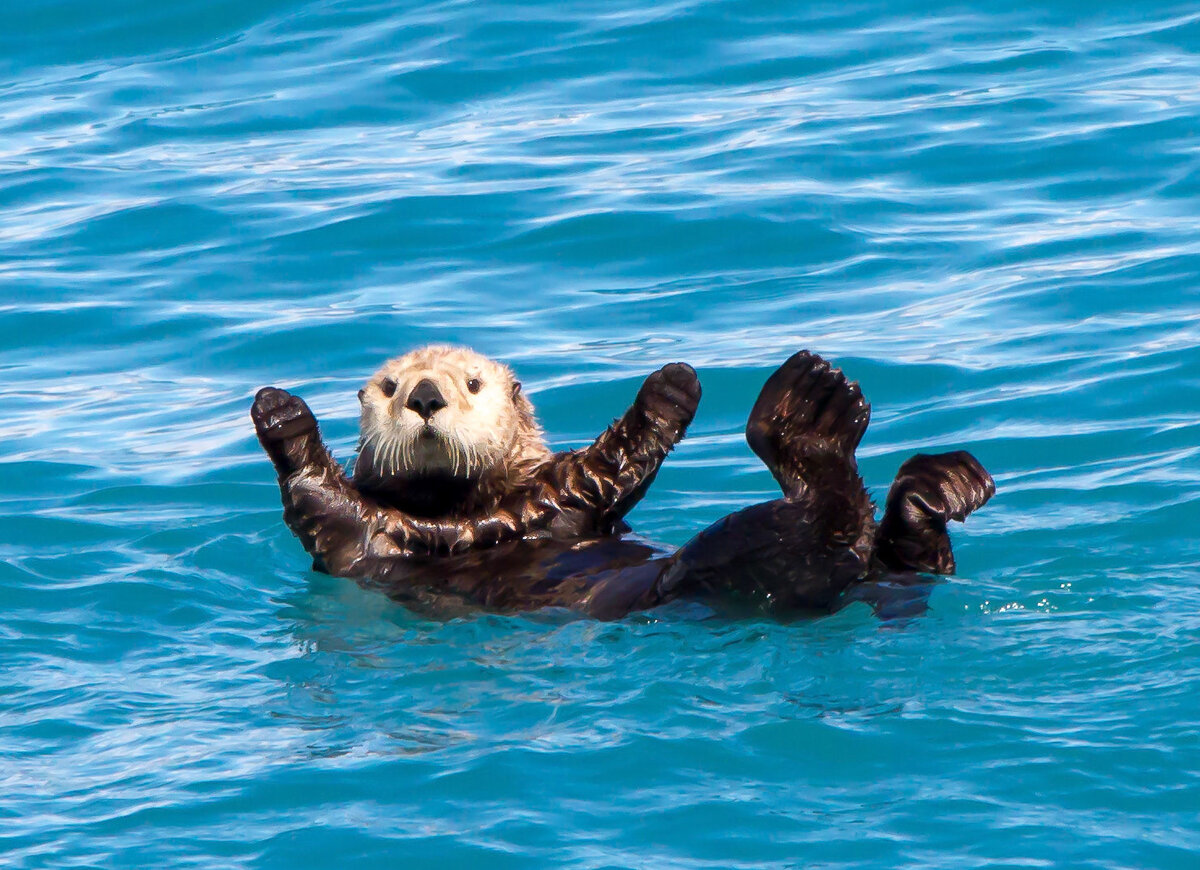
(574,494)
(554,538)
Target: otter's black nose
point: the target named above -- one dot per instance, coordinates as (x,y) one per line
(425,399)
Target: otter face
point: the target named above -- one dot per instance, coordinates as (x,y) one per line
(441,411)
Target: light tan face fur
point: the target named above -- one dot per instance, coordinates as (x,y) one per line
(475,431)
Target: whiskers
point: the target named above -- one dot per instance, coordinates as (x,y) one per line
(396,453)
(464,460)
(389,453)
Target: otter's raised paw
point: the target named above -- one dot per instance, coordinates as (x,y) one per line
(671,394)
(278,415)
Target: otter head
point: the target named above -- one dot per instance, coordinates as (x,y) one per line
(443,412)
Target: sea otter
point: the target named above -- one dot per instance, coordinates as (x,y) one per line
(457,502)
(452,459)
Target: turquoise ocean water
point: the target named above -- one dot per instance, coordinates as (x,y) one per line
(988,214)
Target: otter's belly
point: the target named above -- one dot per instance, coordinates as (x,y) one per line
(605,577)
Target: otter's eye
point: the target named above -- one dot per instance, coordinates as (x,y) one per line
(388,386)
(474,385)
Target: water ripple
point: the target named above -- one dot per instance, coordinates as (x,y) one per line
(986,216)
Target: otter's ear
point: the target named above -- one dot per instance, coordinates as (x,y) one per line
(362,397)
(516,389)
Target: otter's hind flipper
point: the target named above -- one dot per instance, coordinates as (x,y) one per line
(928,492)
(799,552)
(806,425)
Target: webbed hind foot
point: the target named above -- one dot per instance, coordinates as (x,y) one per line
(929,491)
(797,553)
(808,419)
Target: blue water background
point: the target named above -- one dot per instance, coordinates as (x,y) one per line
(988,214)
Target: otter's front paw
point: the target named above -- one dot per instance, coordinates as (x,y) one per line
(278,415)
(671,394)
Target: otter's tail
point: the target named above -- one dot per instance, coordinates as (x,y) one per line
(928,492)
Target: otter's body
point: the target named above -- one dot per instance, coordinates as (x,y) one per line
(470,509)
